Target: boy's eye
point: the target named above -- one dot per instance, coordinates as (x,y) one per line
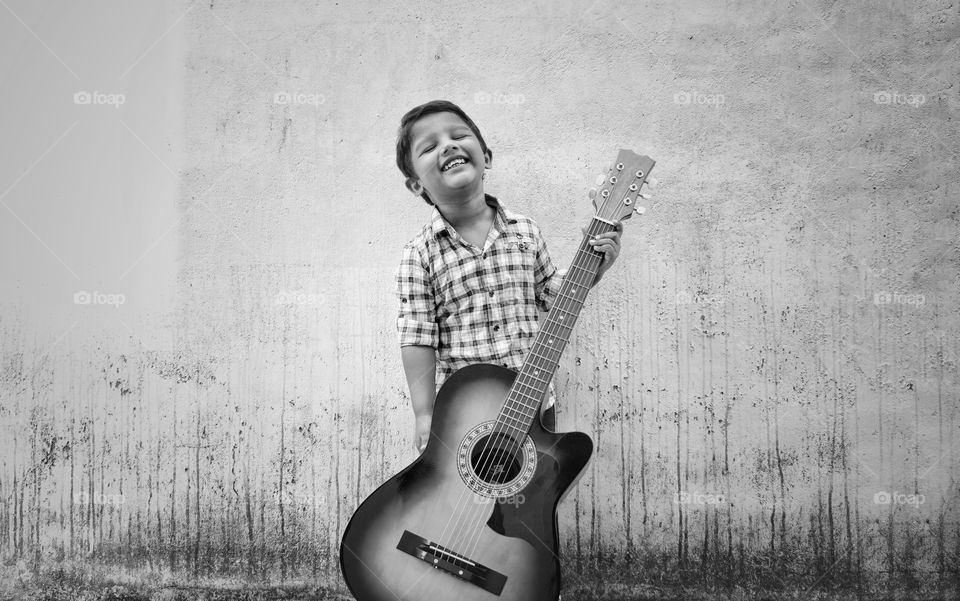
(428,149)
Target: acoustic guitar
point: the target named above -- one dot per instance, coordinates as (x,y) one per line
(474,517)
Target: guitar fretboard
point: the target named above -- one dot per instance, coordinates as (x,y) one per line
(530,387)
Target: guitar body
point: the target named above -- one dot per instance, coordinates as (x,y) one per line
(428,534)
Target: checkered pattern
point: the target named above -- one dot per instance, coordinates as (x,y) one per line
(475,305)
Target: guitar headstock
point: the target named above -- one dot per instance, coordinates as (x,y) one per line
(617,196)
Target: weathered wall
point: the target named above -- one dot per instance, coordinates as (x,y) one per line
(773,352)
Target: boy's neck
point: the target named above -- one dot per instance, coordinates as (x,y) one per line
(465,212)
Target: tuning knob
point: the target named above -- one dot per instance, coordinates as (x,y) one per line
(639,210)
(653,182)
(645,196)
(601,179)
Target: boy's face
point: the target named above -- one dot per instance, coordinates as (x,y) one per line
(447,158)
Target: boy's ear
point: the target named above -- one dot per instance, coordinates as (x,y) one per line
(414,186)
(488,159)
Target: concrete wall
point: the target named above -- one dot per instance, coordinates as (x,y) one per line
(773,356)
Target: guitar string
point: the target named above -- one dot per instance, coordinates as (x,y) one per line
(585,252)
(467,493)
(564,300)
(532,360)
(510,451)
(513,450)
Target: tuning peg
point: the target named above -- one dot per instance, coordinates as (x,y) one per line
(645,196)
(639,210)
(592,193)
(653,182)
(601,179)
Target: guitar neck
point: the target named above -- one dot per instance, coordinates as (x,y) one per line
(530,386)
(613,201)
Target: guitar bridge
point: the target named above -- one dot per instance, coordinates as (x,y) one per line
(452,563)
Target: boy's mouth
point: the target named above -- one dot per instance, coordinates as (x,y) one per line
(452,163)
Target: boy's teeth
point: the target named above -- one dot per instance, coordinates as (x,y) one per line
(453,164)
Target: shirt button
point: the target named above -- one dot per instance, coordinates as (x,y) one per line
(491,293)
(496,327)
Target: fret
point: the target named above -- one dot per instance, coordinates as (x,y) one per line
(517,386)
(532,398)
(544,363)
(557,308)
(518,425)
(526,372)
(524,414)
(592,273)
(517,422)
(555,325)
(535,354)
(529,375)
(536,391)
(562,320)
(556,335)
(575,299)
(522,421)
(508,407)
(544,370)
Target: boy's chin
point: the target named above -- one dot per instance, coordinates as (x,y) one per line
(459,182)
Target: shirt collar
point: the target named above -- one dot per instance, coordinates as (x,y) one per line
(439,225)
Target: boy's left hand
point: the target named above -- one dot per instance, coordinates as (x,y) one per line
(609,245)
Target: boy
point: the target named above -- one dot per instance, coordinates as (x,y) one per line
(471,281)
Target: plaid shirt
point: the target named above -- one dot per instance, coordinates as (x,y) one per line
(475,305)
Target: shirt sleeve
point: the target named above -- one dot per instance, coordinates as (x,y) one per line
(547,280)
(417,315)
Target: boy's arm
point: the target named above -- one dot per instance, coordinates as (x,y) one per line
(419,337)
(420,364)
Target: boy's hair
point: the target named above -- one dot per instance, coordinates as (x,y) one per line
(404,161)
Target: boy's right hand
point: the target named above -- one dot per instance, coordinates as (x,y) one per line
(422,433)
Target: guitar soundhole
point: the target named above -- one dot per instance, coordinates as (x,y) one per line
(493,461)
(494,464)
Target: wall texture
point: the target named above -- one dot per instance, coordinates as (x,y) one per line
(769,372)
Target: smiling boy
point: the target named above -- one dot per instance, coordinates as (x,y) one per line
(471,281)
